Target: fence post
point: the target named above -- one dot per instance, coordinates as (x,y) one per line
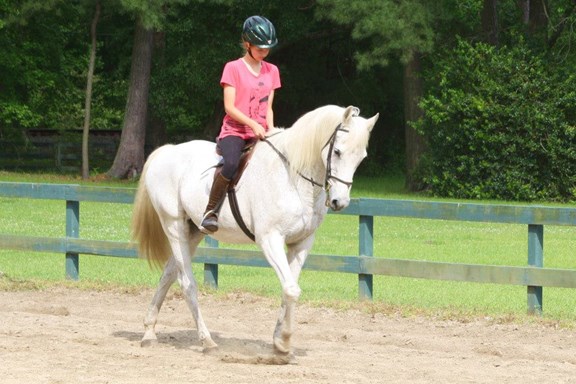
(535,259)
(211,270)
(72,230)
(366,248)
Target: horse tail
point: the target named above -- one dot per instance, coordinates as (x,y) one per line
(147,229)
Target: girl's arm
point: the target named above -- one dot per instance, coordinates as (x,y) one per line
(270,112)
(236,114)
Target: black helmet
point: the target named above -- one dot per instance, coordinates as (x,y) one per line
(259,32)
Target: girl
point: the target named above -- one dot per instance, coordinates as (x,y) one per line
(249,83)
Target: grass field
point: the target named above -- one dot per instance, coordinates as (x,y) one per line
(433,240)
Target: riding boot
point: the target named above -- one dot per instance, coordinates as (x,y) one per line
(209,223)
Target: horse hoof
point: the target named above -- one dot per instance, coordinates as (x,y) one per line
(280,347)
(209,346)
(212,350)
(146,343)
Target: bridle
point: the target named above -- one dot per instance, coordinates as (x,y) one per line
(331,141)
(328,175)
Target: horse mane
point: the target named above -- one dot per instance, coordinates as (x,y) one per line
(303,142)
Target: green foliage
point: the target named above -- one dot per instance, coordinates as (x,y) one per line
(389,28)
(500,124)
(43,70)
(186,95)
(187,67)
(154,13)
(45,58)
(15,114)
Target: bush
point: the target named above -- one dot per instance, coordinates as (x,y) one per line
(500,124)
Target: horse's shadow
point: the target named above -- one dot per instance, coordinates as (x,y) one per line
(230,349)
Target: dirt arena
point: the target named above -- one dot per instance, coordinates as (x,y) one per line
(65,335)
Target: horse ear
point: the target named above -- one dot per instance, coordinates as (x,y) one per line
(372,121)
(351,111)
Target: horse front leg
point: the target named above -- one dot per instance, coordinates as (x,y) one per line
(273,247)
(167,279)
(296,256)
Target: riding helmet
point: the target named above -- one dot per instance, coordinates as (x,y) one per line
(260,32)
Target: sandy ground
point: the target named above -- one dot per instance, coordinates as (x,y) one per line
(64,335)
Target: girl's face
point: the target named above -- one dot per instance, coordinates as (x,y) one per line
(258,54)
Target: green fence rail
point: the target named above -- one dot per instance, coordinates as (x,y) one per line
(534,276)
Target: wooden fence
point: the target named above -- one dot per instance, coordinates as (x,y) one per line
(45,150)
(534,276)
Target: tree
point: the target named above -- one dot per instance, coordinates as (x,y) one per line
(48,56)
(499,114)
(500,124)
(37,73)
(388,29)
(129,159)
(47,79)
(150,17)
(88,103)
(566,18)
(490,22)
(538,20)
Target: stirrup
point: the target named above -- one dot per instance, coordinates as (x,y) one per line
(209,223)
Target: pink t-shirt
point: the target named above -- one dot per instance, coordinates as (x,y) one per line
(251,95)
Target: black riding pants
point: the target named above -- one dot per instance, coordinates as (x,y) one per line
(231,148)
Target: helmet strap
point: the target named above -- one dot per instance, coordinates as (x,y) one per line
(250,51)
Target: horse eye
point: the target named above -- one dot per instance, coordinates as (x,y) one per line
(337,152)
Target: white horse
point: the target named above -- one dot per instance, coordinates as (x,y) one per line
(283,197)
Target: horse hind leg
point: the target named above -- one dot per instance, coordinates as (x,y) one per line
(168,278)
(185,250)
(178,268)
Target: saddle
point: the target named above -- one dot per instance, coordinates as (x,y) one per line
(245,157)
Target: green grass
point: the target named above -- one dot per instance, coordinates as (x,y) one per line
(433,240)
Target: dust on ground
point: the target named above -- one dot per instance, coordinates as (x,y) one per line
(67,335)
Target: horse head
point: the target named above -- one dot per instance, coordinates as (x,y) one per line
(343,153)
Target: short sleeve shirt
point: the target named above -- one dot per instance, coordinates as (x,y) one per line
(252,94)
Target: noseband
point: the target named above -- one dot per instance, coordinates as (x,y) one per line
(328,176)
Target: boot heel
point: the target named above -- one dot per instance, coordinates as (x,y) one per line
(209,224)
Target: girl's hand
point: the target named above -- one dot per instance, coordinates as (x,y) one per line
(259,131)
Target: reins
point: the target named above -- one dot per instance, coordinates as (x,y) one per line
(285,160)
(327,178)
(233,201)
(328,175)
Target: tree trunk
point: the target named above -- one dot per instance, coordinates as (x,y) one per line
(538,22)
(524,6)
(490,25)
(156,133)
(535,19)
(88,102)
(129,159)
(415,144)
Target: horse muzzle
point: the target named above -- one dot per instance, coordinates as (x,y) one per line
(337,204)
(332,200)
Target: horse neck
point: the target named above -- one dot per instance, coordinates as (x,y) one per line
(302,145)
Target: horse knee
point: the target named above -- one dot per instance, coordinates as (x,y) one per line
(292,293)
